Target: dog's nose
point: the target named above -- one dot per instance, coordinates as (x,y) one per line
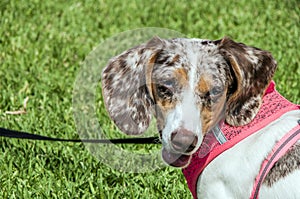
(183,140)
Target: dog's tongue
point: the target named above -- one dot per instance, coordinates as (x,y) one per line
(175,159)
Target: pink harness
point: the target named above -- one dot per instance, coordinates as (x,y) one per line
(274,105)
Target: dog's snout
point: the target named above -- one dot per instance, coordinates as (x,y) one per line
(183,140)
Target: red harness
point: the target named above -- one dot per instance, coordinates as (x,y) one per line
(274,105)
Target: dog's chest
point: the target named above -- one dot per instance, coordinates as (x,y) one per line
(232,173)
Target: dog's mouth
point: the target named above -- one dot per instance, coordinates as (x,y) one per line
(175,159)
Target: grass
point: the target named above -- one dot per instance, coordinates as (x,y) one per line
(42,44)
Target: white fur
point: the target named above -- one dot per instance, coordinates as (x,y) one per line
(282,189)
(186,114)
(232,174)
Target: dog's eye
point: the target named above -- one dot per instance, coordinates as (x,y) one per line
(212,95)
(164,91)
(215,91)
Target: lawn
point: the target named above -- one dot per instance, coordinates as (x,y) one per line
(42,47)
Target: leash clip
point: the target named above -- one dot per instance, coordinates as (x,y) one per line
(219,134)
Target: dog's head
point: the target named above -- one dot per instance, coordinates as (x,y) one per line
(189,85)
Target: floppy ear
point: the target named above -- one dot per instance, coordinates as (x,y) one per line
(252,70)
(126,94)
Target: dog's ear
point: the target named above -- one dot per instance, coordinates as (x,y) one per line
(252,70)
(127,97)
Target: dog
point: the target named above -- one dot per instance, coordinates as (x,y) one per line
(194,87)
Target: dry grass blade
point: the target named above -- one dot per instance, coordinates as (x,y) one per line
(21,111)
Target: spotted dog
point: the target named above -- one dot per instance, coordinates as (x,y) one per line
(192,86)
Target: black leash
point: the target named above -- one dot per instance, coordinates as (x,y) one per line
(29,136)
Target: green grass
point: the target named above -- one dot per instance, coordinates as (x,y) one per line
(42,44)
